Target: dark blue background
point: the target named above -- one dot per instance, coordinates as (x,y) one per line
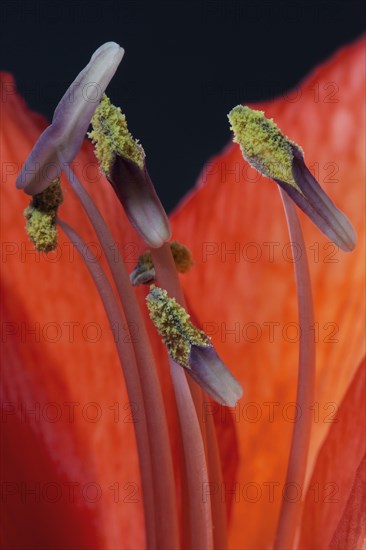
(187,64)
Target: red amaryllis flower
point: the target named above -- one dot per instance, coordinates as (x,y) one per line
(70,474)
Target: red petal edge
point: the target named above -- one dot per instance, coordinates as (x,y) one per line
(332,500)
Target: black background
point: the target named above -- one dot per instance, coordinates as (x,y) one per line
(187,63)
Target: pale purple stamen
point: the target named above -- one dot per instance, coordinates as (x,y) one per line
(290,512)
(164,509)
(131,376)
(200,512)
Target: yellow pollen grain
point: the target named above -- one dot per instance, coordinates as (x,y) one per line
(181,254)
(111,137)
(263,145)
(174,326)
(145,261)
(41,217)
(41,229)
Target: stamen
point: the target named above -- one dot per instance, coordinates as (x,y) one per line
(111,137)
(270,152)
(131,376)
(172,322)
(290,513)
(122,160)
(262,143)
(41,217)
(164,512)
(200,519)
(144,271)
(191,348)
(182,257)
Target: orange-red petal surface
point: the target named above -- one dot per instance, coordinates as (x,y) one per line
(351,530)
(335,501)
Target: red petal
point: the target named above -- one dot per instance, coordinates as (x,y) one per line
(351,531)
(333,508)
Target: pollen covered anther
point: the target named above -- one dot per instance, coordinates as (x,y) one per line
(262,143)
(275,156)
(144,271)
(173,324)
(191,348)
(182,257)
(41,215)
(122,161)
(111,137)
